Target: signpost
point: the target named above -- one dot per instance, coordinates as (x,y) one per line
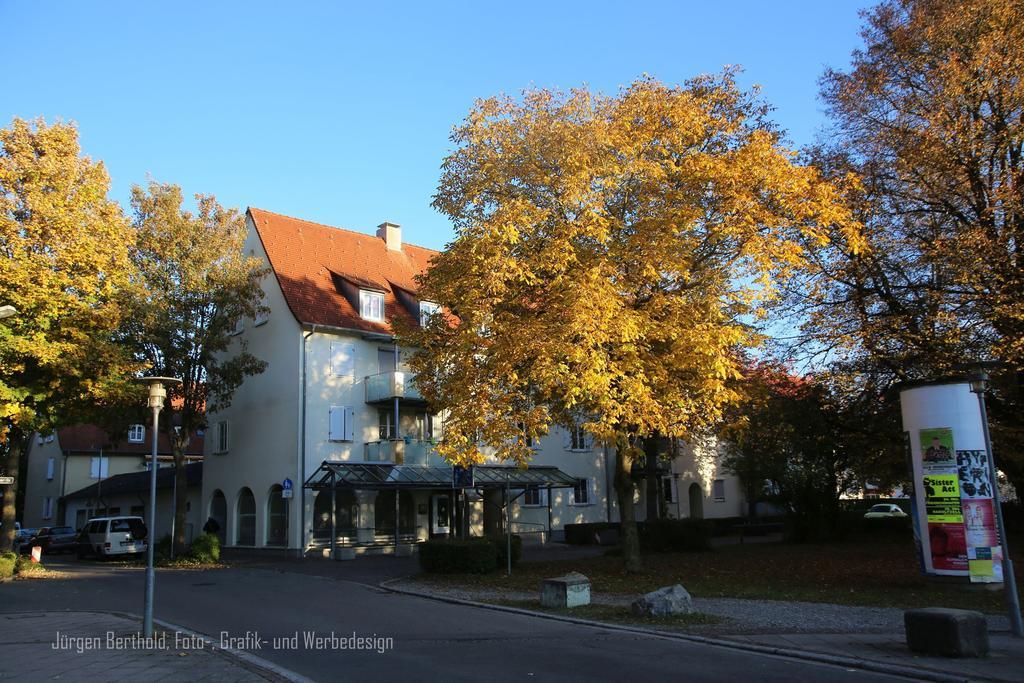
(462,477)
(286,488)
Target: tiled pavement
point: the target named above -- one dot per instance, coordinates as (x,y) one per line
(77,646)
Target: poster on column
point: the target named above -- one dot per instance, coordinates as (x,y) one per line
(984,550)
(940,485)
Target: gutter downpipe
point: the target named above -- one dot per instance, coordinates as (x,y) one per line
(300,465)
(608,492)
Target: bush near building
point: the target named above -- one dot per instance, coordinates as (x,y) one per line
(7,562)
(468,556)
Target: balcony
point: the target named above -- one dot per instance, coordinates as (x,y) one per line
(388,386)
(402,452)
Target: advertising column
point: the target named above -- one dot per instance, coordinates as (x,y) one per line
(954,513)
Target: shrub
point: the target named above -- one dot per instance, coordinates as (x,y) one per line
(470,556)
(162,549)
(674,535)
(501,545)
(25,565)
(7,563)
(205,549)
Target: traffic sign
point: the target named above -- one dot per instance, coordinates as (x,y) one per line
(462,477)
(286,488)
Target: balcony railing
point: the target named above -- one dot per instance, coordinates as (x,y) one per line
(402,452)
(389,385)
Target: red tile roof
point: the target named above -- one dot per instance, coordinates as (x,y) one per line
(89,437)
(307,259)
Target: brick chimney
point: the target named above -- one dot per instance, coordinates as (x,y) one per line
(391,233)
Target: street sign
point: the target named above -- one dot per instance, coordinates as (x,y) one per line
(462,477)
(286,488)
(6,481)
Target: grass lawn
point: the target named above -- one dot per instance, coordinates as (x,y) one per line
(614,614)
(880,571)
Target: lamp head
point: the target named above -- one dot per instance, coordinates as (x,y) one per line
(978,380)
(157,391)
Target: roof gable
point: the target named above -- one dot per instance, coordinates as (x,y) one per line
(312,261)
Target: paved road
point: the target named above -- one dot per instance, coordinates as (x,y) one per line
(432,640)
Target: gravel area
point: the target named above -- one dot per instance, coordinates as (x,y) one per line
(738,616)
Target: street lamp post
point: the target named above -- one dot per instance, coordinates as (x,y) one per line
(979,384)
(157,394)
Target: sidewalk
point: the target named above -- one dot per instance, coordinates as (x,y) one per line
(97,646)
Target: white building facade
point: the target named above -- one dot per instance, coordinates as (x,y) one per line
(336,403)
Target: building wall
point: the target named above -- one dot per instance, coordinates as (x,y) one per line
(38,487)
(80,510)
(692,480)
(263,415)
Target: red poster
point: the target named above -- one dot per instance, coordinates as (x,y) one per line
(948,546)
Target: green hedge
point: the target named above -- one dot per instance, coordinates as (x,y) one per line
(471,556)
(205,549)
(501,545)
(7,562)
(583,534)
(675,535)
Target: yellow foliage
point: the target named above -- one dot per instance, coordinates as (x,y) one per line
(608,251)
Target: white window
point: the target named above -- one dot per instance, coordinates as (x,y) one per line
(49,469)
(261,317)
(50,438)
(429,426)
(533,496)
(718,489)
(220,434)
(343,359)
(239,328)
(342,423)
(371,305)
(99,468)
(527,438)
(427,309)
(577,439)
(581,492)
(47,507)
(136,434)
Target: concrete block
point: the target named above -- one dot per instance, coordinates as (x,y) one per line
(946,632)
(571,590)
(344,553)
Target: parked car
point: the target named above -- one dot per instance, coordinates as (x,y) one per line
(108,536)
(22,536)
(884,511)
(53,540)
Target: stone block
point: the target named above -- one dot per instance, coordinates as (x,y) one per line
(946,632)
(571,590)
(344,553)
(664,601)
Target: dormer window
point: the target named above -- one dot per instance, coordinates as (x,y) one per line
(136,434)
(371,305)
(427,309)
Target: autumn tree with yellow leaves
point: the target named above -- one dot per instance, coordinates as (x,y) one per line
(611,253)
(64,266)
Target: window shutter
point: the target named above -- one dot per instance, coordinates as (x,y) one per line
(49,469)
(337,423)
(343,359)
(588,441)
(94,468)
(104,467)
(566,439)
(350,423)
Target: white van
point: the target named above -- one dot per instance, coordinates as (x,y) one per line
(107,536)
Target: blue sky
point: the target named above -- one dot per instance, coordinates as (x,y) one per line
(340,112)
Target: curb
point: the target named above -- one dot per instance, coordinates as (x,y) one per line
(803,655)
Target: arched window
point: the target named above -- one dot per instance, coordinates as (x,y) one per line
(219,512)
(346,515)
(277,517)
(245,518)
(384,513)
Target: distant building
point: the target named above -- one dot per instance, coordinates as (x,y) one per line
(75,458)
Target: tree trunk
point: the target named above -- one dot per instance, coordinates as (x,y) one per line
(651,477)
(180,497)
(627,519)
(16,442)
